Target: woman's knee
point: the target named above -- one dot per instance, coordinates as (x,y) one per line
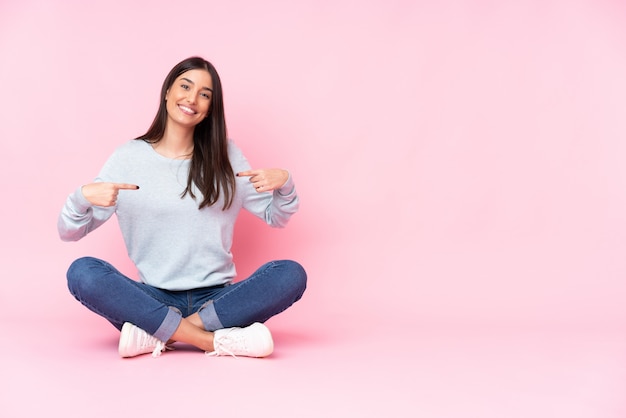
(78,267)
(296,276)
(80,274)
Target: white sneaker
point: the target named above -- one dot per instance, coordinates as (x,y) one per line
(135,341)
(252,341)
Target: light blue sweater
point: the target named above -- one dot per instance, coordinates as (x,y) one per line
(173,244)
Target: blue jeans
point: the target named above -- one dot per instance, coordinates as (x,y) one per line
(103,289)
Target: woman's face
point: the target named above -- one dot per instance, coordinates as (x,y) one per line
(188,100)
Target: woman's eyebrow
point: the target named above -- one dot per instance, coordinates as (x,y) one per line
(191,82)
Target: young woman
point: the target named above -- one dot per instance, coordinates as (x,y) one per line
(177,191)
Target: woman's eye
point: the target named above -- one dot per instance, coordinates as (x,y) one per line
(205,95)
(184,86)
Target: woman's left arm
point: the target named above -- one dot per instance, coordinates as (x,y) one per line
(267,179)
(276,198)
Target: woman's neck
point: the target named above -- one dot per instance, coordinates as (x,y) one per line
(176,143)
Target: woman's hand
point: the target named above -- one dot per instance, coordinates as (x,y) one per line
(105,194)
(266,179)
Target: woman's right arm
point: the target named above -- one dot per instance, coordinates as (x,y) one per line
(93,204)
(79,216)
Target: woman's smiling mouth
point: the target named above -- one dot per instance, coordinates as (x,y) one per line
(187,110)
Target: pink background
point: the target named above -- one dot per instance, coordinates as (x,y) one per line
(462,177)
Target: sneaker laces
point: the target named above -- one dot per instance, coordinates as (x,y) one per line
(159,348)
(220,344)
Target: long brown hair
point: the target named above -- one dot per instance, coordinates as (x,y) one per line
(210,169)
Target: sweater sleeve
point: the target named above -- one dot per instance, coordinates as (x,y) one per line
(284,203)
(79,217)
(274,208)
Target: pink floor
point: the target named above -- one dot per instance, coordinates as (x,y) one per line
(351,369)
(461,167)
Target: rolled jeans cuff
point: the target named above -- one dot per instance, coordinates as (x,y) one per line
(209,317)
(168,326)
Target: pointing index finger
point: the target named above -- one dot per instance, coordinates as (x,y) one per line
(125,186)
(248,173)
